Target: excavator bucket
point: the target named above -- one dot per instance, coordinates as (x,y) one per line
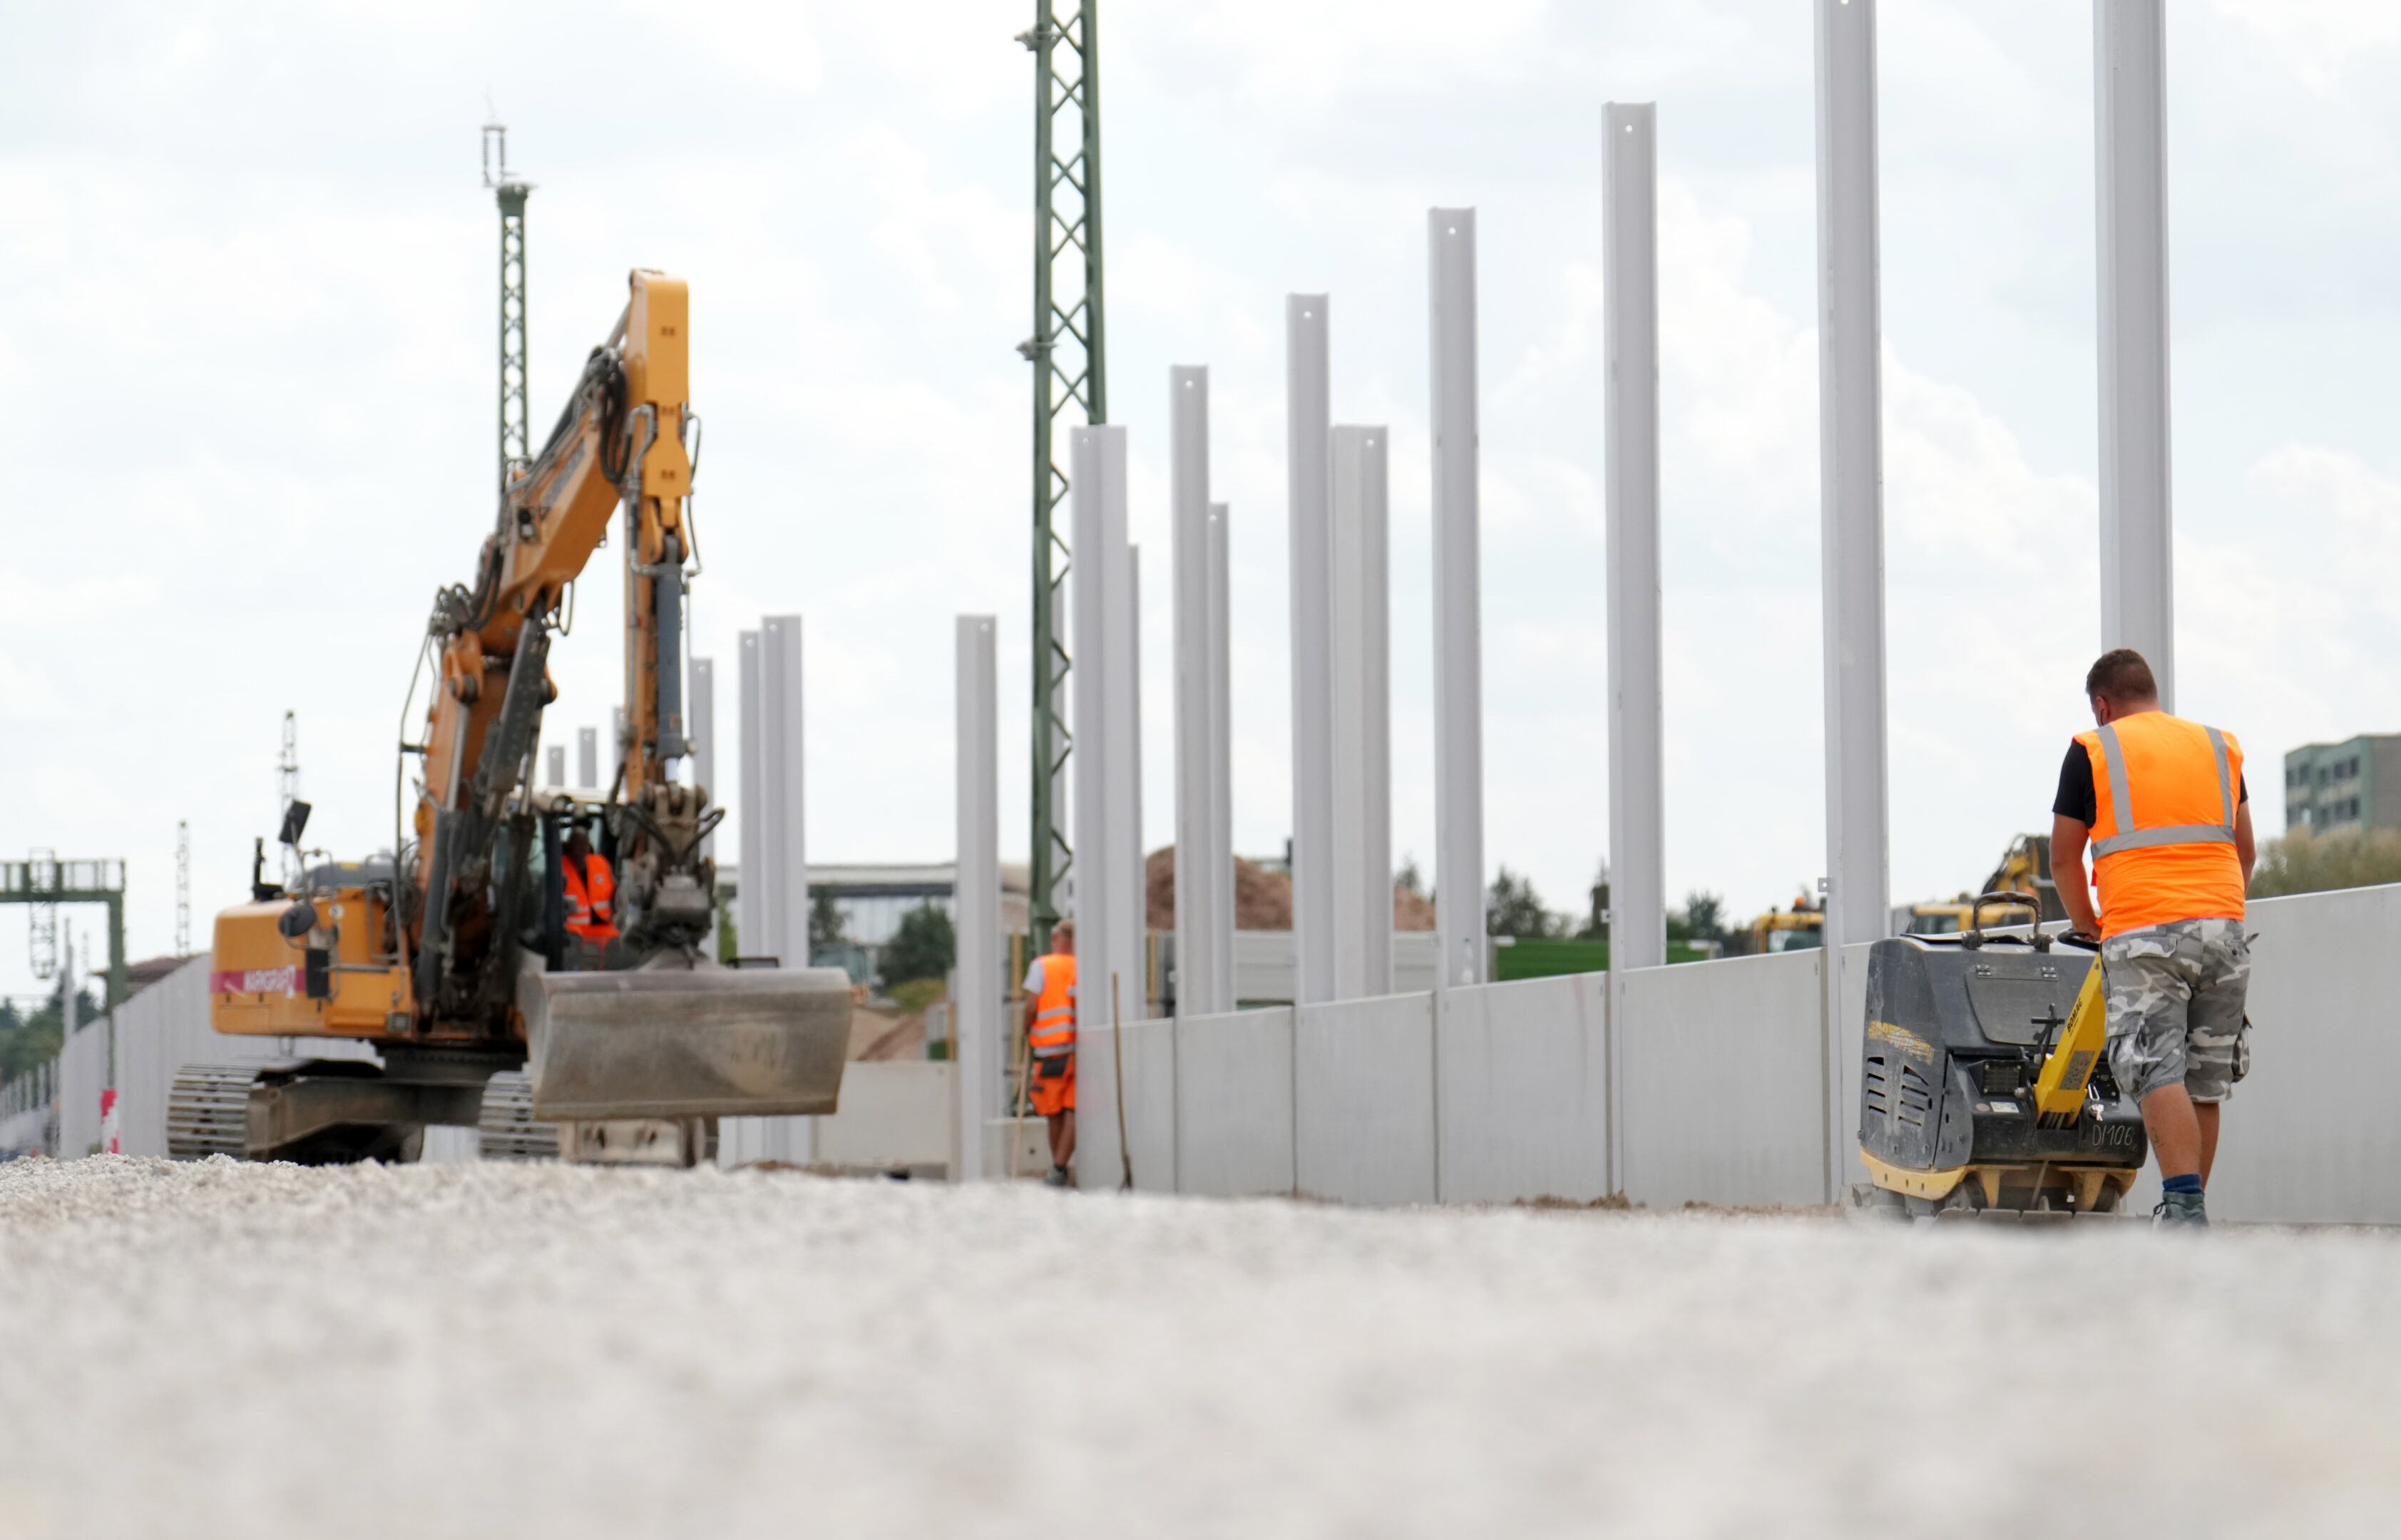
(670,1040)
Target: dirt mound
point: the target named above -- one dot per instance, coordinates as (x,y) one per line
(1262,899)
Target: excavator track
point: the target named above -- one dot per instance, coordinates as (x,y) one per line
(208,1112)
(508,1126)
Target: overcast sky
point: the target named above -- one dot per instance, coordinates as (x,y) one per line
(247,360)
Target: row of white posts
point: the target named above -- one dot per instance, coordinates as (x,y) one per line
(1337,494)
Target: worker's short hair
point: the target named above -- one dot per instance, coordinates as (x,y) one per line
(1068,925)
(2121,677)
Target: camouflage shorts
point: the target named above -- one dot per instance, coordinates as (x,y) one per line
(2176,1007)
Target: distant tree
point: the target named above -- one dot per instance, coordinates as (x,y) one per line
(923,947)
(27,1042)
(2306,863)
(1513,908)
(829,923)
(1407,879)
(1596,924)
(1703,919)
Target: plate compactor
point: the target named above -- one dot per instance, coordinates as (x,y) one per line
(1985,1085)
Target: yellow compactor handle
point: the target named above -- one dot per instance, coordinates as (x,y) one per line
(2059,1089)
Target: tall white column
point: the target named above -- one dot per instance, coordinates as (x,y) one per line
(1458,605)
(1129,890)
(1309,423)
(556,778)
(976,1004)
(782,771)
(1850,457)
(1220,837)
(700,713)
(1638,898)
(751,877)
(1204,870)
(1108,906)
(587,758)
(1360,860)
(2130,138)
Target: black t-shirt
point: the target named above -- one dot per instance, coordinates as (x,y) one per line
(2076,798)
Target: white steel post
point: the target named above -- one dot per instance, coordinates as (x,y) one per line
(587,758)
(1221,697)
(1220,838)
(2130,138)
(1129,893)
(1850,457)
(700,712)
(556,778)
(1308,416)
(1638,897)
(1360,753)
(1108,939)
(785,891)
(976,1006)
(1204,869)
(1457,608)
(750,875)
(784,771)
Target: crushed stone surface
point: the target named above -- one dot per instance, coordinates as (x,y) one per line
(222,1350)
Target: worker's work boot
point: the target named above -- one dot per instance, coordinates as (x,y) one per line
(2180,1208)
(1056,1177)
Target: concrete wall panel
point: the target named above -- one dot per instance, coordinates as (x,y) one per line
(1724,1081)
(2309,1133)
(1233,1101)
(1522,1091)
(1150,1108)
(1363,1100)
(893,1114)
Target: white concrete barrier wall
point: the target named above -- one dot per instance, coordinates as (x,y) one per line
(83,1070)
(1522,1091)
(1363,1100)
(1265,971)
(893,1114)
(2310,1132)
(1724,1081)
(1150,1052)
(1233,1103)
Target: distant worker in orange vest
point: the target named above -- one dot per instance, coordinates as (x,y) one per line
(1050,1034)
(2168,814)
(591,892)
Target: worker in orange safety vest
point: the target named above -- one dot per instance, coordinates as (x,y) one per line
(591,892)
(2162,802)
(1050,1038)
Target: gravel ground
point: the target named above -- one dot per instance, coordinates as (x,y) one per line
(196,1351)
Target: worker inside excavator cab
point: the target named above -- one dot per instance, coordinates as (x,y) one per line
(591,892)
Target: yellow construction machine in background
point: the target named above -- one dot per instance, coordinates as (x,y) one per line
(449,957)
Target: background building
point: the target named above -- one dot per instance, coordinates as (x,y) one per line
(2355,783)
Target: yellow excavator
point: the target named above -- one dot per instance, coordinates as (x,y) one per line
(450,960)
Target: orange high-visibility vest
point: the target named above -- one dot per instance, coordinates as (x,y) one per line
(2164,793)
(591,907)
(1054,1009)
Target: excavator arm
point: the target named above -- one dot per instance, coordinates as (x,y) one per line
(619,443)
